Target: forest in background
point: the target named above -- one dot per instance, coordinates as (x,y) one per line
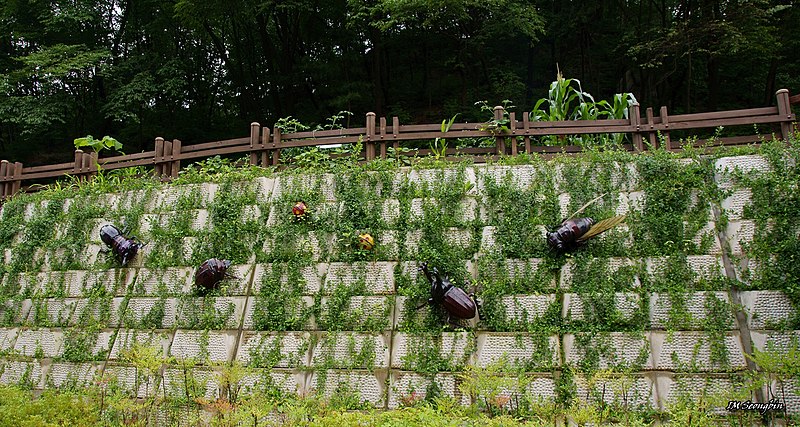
(202,70)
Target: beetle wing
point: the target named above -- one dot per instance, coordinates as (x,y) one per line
(601,226)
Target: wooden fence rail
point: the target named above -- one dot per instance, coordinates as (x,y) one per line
(264,145)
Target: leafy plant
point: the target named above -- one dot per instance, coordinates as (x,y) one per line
(98,145)
(439,145)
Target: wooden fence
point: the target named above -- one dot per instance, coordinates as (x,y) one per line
(265,145)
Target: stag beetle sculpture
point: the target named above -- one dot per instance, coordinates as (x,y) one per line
(210,273)
(453,299)
(122,247)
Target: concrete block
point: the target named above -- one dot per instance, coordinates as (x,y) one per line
(169,281)
(194,381)
(274,350)
(526,308)
(203,346)
(767,309)
(346,350)
(405,388)
(615,389)
(787,391)
(522,176)
(127,338)
(613,265)
(369,386)
(574,308)
(71,374)
(708,230)
(776,342)
(378,276)
(15,312)
(39,342)
(694,303)
(288,184)
(708,387)
(465,212)
(316,243)
(304,304)
(425,180)
(261,380)
(489,240)
(514,270)
(734,204)
(740,233)
(725,167)
(200,220)
(21,372)
(264,188)
(209,312)
(389,245)
(48,312)
(693,351)
(458,237)
(390,211)
(705,267)
(310,277)
(150,313)
(362,311)
(619,350)
(140,384)
(452,347)
(107,311)
(7,338)
(519,350)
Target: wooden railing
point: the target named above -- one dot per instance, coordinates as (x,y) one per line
(265,145)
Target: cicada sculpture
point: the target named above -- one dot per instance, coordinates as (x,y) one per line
(123,248)
(574,232)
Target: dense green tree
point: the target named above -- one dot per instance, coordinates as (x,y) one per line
(202,70)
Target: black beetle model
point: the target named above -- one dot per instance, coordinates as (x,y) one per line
(124,248)
(453,299)
(210,273)
(575,232)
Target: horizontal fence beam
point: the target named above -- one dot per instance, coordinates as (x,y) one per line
(380,135)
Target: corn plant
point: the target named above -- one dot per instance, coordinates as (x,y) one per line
(439,145)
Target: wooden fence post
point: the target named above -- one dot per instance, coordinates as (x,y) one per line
(500,141)
(5,186)
(77,167)
(526,125)
(633,114)
(370,147)
(16,178)
(383,137)
(176,154)
(276,142)
(265,155)
(665,121)
(165,168)
(254,143)
(513,127)
(785,111)
(159,157)
(396,134)
(651,135)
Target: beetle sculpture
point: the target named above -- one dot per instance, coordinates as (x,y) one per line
(210,273)
(453,299)
(299,210)
(574,232)
(122,247)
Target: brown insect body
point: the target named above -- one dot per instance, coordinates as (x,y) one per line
(122,247)
(210,273)
(453,299)
(566,237)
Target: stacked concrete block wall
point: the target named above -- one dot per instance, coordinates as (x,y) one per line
(308,311)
